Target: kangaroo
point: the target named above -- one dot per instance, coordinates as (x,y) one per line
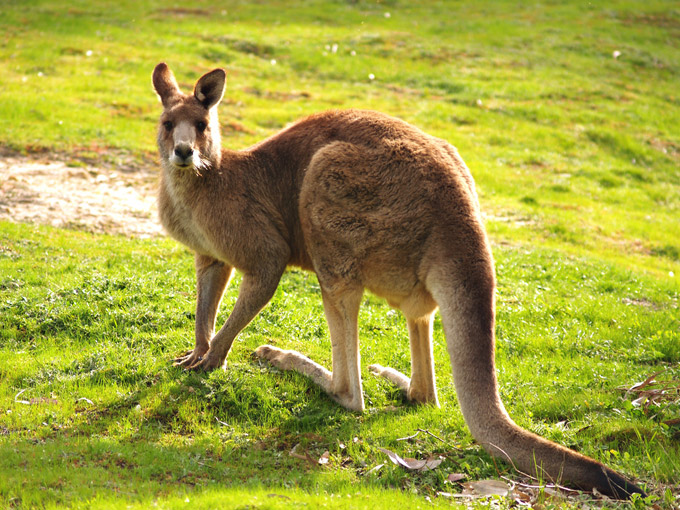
(365,201)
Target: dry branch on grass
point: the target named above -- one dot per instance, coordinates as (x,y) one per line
(654,393)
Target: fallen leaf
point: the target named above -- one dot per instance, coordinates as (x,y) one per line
(455,477)
(16,398)
(523,496)
(484,488)
(43,400)
(412,464)
(428,465)
(375,469)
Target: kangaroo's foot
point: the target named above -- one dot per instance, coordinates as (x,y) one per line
(395,377)
(293,360)
(280,358)
(422,393)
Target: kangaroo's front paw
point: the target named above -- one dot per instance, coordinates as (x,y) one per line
(278,357)
(182,356)
(207,363)
(189,358)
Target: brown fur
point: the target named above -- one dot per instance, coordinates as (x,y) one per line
(366,201)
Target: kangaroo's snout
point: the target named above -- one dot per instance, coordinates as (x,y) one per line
(184,152)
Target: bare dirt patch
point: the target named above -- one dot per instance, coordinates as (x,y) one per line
(96,199)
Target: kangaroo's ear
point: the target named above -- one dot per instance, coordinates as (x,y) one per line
(210,88)
(165,84)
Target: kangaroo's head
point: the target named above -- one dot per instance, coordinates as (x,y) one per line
(188,131)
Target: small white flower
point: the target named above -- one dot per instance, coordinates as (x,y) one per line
(371,76)
(387,15)
(89,53)
(353,53)
(273,61)
(616,54)
(334,48)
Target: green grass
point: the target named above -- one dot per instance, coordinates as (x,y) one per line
(576,156)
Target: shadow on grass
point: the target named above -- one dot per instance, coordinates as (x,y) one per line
(181,433)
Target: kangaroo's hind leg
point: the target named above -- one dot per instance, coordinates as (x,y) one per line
(418,308)
(421,387)
(343,384)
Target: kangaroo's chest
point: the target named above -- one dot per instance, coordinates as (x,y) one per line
(181,221)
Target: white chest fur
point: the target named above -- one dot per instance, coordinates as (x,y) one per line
(179,219)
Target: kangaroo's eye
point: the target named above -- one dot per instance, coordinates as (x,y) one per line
(200,125)
(167,125)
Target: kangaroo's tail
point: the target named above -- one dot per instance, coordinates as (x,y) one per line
(468,310)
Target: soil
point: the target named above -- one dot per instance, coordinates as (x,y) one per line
(101,199)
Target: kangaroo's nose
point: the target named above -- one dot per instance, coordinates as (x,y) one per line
(184,151)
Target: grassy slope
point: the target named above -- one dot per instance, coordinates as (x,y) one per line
(576,158)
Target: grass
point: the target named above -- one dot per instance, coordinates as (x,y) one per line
(575,154)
